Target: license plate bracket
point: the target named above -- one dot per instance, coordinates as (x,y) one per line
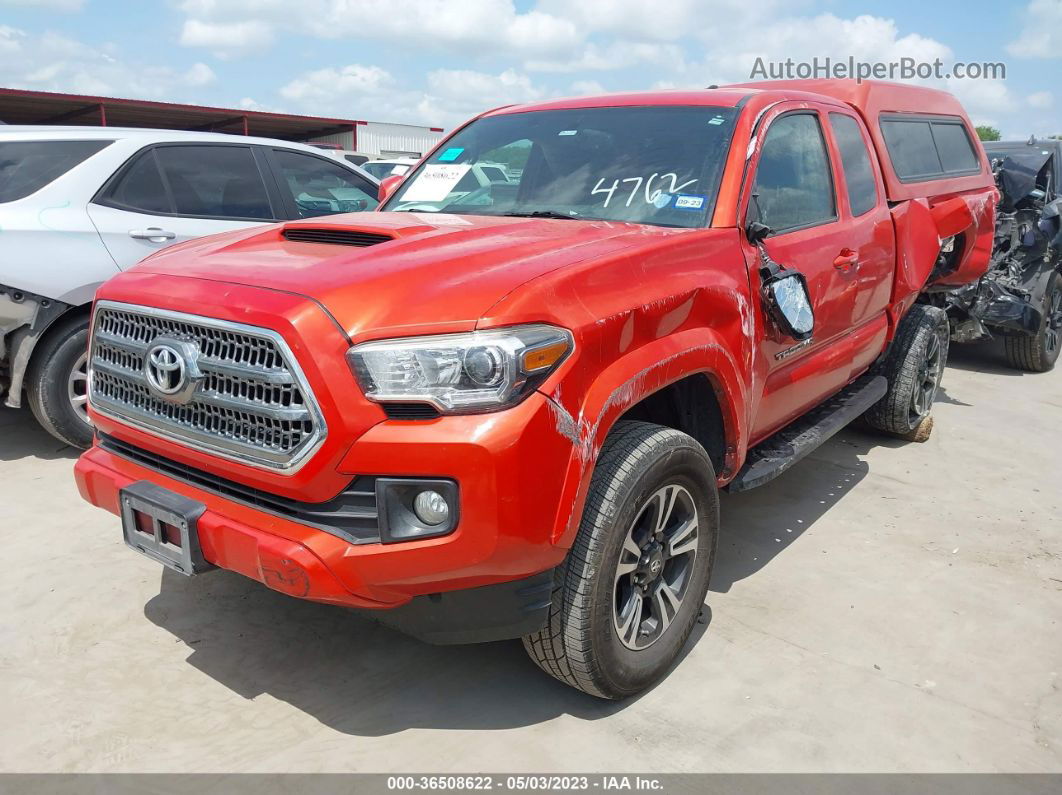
(162,525)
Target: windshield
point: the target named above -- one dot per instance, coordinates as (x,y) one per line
(651,165)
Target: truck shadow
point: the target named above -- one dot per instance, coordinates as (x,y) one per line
(353,674)
(21,437)
(759,525)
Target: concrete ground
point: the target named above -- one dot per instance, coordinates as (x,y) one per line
(882,607)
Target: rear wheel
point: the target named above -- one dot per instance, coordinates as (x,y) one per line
(57,383)
(1038,353)
(632,586)
(914,367)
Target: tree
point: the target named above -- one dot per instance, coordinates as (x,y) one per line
(986,133)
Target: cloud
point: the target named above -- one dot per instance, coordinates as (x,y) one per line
(584,87)
(1040,100)
(227,39)
(1041,35)
(53,62)
(469,27)
(330,83)
(617,55)
(445,97)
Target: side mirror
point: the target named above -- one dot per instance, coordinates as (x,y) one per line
(786,296)
(756,232)
(388,185)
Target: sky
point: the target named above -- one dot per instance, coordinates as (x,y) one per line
(437,62)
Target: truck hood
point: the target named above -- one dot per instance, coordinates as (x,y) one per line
(407,272)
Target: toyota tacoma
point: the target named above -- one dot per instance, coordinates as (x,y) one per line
(508,412)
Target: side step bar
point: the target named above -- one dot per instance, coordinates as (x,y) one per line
(775,454)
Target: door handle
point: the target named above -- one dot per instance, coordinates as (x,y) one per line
(846,260)
(152,233)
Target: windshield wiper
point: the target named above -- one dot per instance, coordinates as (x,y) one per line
(542,214)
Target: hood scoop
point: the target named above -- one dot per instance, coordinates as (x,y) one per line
(333,236)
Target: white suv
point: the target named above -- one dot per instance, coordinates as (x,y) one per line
(79,204)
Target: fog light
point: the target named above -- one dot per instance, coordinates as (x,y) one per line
(431,507)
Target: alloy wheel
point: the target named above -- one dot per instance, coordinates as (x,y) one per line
(928,379)
(1053,332)
(655,567)
(77,388)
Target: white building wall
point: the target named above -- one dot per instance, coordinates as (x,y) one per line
(382,139)
(344,139)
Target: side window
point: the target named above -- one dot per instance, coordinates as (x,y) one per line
(922,149)
(320,187)
(956,153)
(27,166)
(911,147)
(140,187)
(215,181)
(858,172)
(794,186)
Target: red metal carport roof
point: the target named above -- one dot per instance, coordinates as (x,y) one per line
(18,106)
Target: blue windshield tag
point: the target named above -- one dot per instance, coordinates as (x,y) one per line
(689,201)
(451,154)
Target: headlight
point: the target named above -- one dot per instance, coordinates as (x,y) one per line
(461,373)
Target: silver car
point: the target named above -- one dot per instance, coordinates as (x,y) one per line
(80,204)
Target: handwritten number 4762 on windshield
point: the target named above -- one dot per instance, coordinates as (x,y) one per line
(639,182)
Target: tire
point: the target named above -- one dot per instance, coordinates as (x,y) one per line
(592,640)
(914,366)
(1037,353)
(52,383)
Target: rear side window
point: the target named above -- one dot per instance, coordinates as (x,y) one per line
(140,187)
(323,187)
(953,145)
(27,166)
(215,182)
(794,185)
(925,149)
(858,174)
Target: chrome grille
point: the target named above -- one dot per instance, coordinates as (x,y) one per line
(250,403)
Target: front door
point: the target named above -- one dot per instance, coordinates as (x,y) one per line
(794,192)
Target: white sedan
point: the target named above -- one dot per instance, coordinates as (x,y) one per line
(80,204)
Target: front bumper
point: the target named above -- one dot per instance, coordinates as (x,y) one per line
(509,466)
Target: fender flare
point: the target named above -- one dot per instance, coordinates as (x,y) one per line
(627,382)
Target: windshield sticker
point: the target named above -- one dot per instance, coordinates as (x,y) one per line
(451,154)
(567,132)
(716,120)
(662,200)
(640,187)
(689,201)
(434,183)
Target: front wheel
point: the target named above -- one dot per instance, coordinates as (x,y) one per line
(632,586)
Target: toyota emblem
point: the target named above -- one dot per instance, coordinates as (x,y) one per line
(170,369)
(165,369)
